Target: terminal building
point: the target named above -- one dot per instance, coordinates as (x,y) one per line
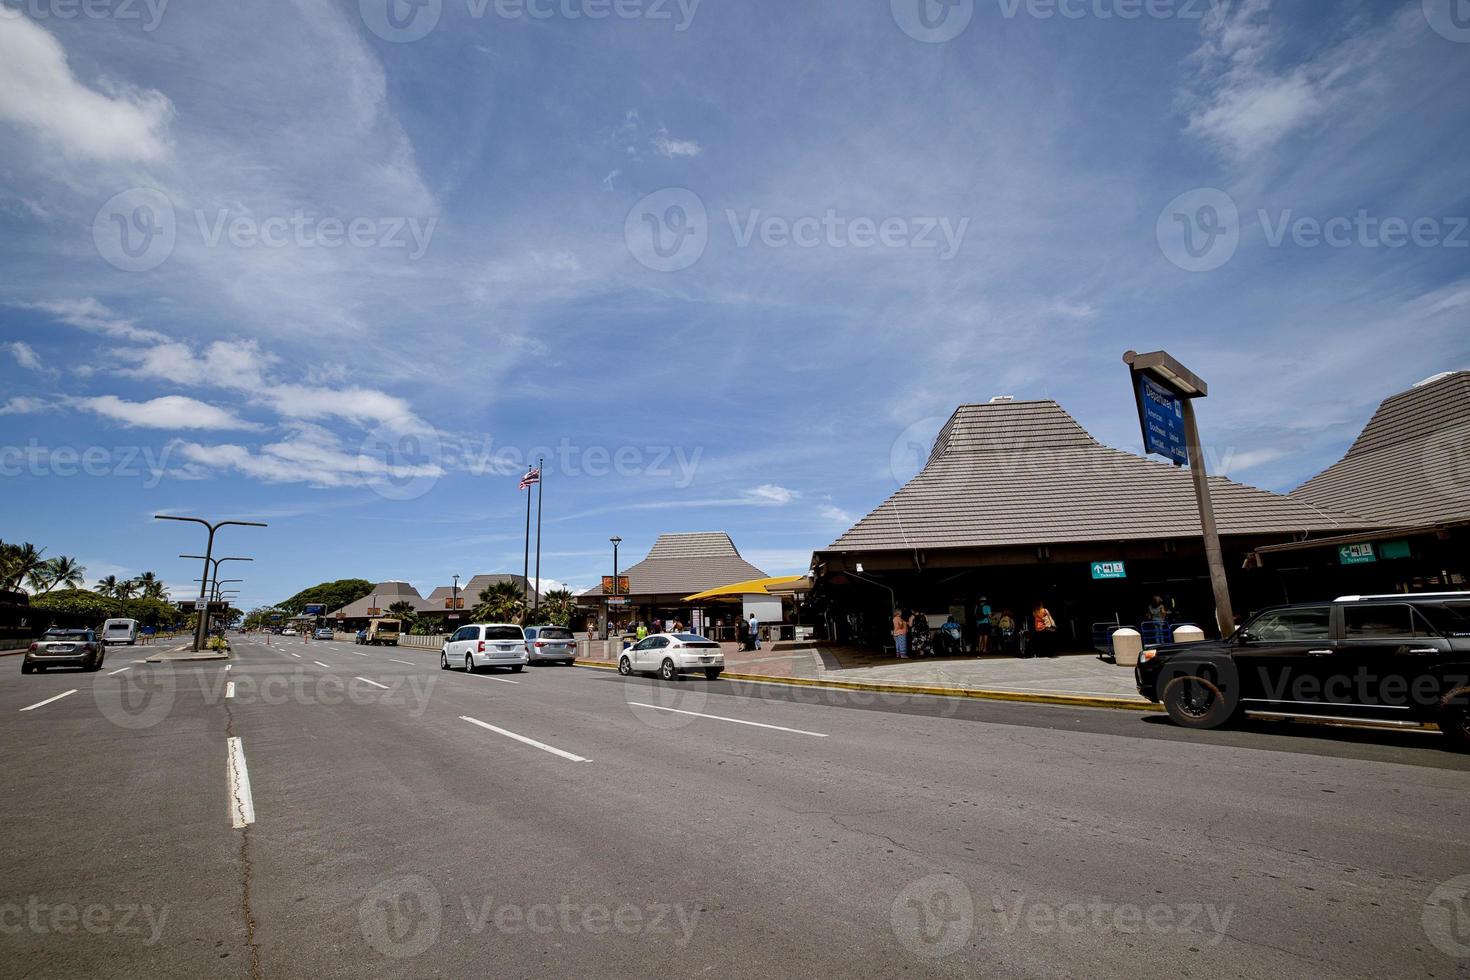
(452,605)
(1408,473)
(1018,503)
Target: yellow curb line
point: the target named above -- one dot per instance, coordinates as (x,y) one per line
(979,694)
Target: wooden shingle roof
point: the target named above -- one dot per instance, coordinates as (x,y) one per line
(1410,466)
(1026,472)
(683,564)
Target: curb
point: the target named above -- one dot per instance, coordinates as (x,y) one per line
(979,694)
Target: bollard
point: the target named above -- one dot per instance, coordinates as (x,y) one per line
(1188,634)
(1127,645)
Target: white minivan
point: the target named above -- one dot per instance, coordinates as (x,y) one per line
(116,632)
(485,645)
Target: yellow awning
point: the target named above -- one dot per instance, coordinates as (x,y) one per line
(756,586)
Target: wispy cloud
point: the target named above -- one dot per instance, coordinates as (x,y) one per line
(171,412)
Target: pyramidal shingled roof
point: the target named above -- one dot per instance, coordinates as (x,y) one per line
(1026,472)
(385,594)
(1410,466)
(683,564)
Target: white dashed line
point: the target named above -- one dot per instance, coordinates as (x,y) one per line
(504,680)
(373,683)
(404,662)
(242,804)
(521,738)
(320,664)
(41,704)
(735,721)
(230,689)
(118,671)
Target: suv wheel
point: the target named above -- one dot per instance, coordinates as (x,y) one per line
(26,668)
(1197,702)
(1454,720)
(443,659)
(625,666)
(668,671)
(469,664)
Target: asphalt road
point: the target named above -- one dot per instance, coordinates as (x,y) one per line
(566,821)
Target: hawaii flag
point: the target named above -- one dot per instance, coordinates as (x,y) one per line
(532,477)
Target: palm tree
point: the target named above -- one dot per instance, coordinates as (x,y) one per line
(501,602)
(20,562)
(149,586)
(557,607)
(64,571)
(108,586)
(126,589)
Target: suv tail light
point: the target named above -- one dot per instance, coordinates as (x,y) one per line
(35,647)
(481,647)
(540,643)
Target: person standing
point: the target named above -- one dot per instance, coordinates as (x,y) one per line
(901,634)
(642,633)
(1043,629)
(742,634)
(755,633)
(984,625)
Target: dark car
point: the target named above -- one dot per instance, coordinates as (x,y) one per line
(64,648)
(1394,657)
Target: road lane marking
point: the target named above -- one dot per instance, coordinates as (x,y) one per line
(42,704)
(242,804)
(230,689)
(521,738)
(406,662)
(373,683)
(296,655)
(503,680)
(356,653)
(736,721)
(119,671)
(320,664)
(227,666)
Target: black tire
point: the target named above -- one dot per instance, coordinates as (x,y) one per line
(667,670)
(712,673)
(469,663)
(1454,720)
(568,663)
(517,668)
(1197,702)
(443,659)
(26,668)
(625,666)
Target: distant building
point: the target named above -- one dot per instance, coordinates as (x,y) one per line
(440,602)
(678,565)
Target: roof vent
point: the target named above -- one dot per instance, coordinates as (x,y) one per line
(1433,378)
(1002,399)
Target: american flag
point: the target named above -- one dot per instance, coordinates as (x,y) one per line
(532,477)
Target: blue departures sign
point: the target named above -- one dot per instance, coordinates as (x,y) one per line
(1163,420)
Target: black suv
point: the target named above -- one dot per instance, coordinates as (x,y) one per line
(1398,657)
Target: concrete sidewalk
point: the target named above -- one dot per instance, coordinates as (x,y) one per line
(1078,675)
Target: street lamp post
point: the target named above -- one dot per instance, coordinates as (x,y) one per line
(615,542)
(454,601)
(208,553)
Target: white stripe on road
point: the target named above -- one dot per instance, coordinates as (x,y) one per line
(373,683)
(242,804)
(41,704)
(504,680)
(296,655)
(227,666)
(356,652)
(736,721)
(230,689)
(320,664)
(119,671)
(401,662)
(521,738)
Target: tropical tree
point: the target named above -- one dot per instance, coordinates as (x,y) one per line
(17,563)
(404,612)
(64,571)
(501,602)
(332,595)
(557,608)
(150,586)
(108,585)
(127,588)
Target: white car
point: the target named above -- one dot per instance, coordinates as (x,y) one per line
(672,654)
(119,631)
(288,631)
(485,645)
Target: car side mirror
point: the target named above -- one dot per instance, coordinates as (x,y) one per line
(1245,637)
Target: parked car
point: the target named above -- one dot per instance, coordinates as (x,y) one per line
(673,654)
(64,648)
(288,631)
(324,634)
(1397,657)
(120,631)
(383,632)
(485,645)
(551,643)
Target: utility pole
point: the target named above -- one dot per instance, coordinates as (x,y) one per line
(203,614)
(615,542)
(540,489)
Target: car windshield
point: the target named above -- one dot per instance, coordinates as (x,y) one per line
(553,633)
(83,634)
(503,633)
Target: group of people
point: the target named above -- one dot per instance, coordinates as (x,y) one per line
(996,631)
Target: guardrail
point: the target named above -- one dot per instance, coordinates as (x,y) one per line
(434,642)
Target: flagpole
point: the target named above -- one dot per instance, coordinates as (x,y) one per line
(526,567)
(540,490)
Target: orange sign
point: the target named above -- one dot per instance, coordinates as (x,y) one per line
(607,585)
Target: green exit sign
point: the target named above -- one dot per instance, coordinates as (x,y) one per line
(1108,569)
(1356,554)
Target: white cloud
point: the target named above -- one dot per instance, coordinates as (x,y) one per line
(668,146)
(25,355)
(771,493)
(167,412)
(39,93)
(22,406)
(90,315)
(837,515)
(311,455)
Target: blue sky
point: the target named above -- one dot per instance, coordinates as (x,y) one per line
(339,271)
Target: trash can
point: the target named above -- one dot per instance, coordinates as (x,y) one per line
(1127,645)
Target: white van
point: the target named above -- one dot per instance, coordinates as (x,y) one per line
(119,631)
